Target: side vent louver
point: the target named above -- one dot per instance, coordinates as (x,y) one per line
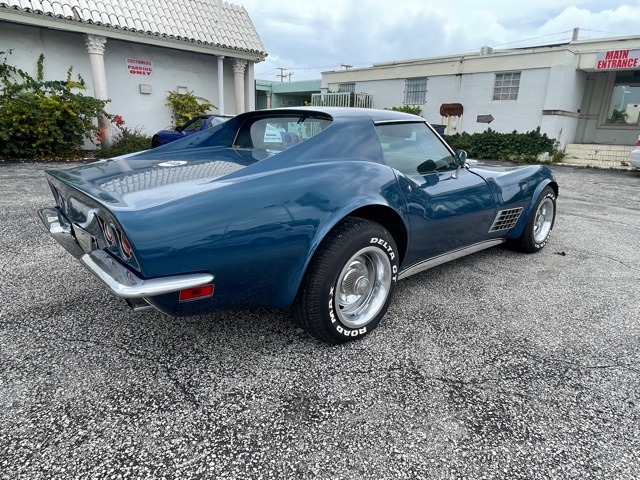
(506,219)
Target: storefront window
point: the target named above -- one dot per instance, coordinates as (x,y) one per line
(624,105)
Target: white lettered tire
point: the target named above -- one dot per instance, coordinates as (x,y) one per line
(537,231)
(349,283)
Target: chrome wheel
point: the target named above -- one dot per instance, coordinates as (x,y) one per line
(363,287)
(349,283)
(543,220)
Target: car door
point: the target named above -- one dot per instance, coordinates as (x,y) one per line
(448,208)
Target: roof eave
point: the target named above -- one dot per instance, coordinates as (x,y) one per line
(57,23)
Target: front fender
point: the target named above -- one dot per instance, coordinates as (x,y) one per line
(524,218)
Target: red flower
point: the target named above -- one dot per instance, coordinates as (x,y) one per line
(118,120)
(100,134)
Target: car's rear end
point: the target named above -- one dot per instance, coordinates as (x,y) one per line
(156,228)
(87,228)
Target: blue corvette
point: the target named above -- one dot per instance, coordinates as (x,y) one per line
(321,210)
(195,125)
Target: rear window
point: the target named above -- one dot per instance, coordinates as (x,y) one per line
(276,134)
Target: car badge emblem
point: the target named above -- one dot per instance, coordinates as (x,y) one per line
(172,163)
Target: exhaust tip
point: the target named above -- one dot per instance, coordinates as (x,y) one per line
(139,305)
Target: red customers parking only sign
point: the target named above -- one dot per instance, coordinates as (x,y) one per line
(618,60)
(136,66)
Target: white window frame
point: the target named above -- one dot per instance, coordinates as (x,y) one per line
(415,91)
(347,87)
(506,86)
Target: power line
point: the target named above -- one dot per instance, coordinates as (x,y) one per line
(602,31)
(313,67)
(532,38)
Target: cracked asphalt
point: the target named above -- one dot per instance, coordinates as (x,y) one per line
(498,365)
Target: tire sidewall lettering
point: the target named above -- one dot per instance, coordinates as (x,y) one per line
(333,316)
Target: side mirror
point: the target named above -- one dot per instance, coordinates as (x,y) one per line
(461,158)
(461,161)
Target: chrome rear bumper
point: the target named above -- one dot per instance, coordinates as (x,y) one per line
(120,280)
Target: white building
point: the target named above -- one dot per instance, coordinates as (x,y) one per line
(583,91)
(134,52)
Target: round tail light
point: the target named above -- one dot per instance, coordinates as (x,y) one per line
(107,230)
(125,245)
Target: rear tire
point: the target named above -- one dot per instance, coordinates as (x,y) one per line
(349,283)
(537,231)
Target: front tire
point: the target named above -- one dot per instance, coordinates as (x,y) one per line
(350,282)
(155,142)
(539,225)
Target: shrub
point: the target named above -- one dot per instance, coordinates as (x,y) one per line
(185,106)
(44,118)
(524,147)
(126,140)
(408,109)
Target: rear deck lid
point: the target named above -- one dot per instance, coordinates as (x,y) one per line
(149,179)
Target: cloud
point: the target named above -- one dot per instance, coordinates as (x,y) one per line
(309,37)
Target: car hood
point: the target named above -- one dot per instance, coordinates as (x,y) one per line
(505,173)
(513,184)
(149,179)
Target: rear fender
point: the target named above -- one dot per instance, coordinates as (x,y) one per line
(392,205)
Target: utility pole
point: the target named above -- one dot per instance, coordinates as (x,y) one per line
(346,67)
(289,75)
(282,74)
(576,32)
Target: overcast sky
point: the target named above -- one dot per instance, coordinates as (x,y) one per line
(307,37)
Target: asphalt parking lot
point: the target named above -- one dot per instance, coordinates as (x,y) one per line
(498,365)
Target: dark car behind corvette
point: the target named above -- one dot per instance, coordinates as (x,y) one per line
(318,209)
(195,125)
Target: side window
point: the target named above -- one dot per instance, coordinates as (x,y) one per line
(195,124)
(213,121)
(413,149)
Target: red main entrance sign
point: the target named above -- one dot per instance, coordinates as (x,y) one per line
(135,66)
(618,60)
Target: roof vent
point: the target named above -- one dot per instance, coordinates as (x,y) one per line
(486,50)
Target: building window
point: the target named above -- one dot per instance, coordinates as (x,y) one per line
(346,88)
(506,86)
(416,91)
(624,103)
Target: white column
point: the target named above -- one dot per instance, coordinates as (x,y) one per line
(238,79)
(221,85)
(95,47)
(249,87)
